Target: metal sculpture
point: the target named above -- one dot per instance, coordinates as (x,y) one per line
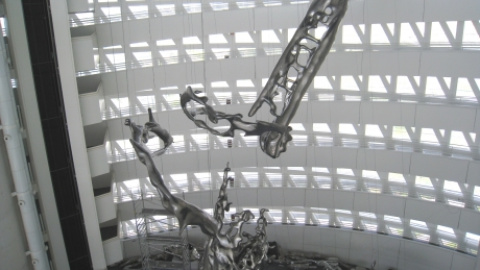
(275,135)
(226,247)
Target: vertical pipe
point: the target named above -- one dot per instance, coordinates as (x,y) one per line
(18,164)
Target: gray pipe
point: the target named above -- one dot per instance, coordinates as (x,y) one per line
(18,164)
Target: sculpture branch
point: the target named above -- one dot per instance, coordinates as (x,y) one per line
(223,245)
(274,136)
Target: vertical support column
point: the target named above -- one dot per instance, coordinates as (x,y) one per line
(18,164)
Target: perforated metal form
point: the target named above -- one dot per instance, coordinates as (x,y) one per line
(291,77)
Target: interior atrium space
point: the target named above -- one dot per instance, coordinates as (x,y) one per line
(382,172)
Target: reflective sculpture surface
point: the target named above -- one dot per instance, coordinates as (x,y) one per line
(301,60)
(226,247)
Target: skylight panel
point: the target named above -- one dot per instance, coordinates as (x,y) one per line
(217,39)
(345,221)
(464,89)
(400,133)
(396,177)
(457,139)
(116,58)
(350,35)
(433,87)
(348,83)
(275,179)
(452,187)
(320,169)
(297,127)
(445,231)
(181,180)
(323,140)
(347,129)
(219,84)
(166,9)
(143,56)
(132,184)
(245,4)
(191,8)
(299,217)
(322,82)
(324,182)
(322,218)
(404,85)
(193,40)
(205,179)
(201,140)
(272,3)
(373,131)
(470,34)
(348,184)
(472,239)
(421,236)
(367,215)
(165,42)
(139,45)
(417,224)
(428,136)
(407,35)
(250,141)
(245,83)
(196,54)
(169,56)
(223,97)
(147,101)
(377,35)
(392,219)
(243,37)
(221,53)
(370,174)
(373,185)
(423,182)
(321,127)
(111,11)
(476,192)
(438,36)
(248,97)
(269,36)
(370,225)
(299,180)
(251,178)
(219,6)
(275,214)
(375,84)
(300,169)
(394,230)
(139,11)
(178,143)
(297,2)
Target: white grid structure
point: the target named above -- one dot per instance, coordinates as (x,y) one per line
(392,116)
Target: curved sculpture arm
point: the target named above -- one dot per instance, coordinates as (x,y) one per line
(325,12)
(275,136)
(185,212)
(155,128)
(235,120)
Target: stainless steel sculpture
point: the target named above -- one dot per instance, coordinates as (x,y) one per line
(227,247)
(274,136)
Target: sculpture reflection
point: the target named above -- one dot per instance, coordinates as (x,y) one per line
(291,77)
(226,247)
